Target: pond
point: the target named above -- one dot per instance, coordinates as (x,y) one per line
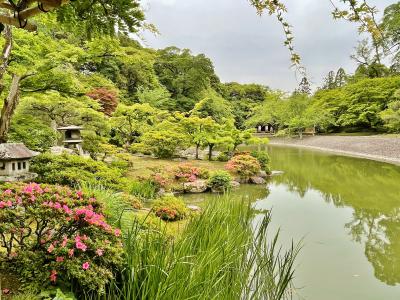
(346,212)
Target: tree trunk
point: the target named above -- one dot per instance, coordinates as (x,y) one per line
(8,109)
(197,151)
(5,55)
(210,149)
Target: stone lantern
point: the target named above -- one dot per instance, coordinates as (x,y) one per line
(71,138)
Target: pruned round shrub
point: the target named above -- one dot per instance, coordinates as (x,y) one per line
(72,170)
(223,157)
(220,181)
(52,234)
(170,208)
(244,165)
(190,173)
(264,160)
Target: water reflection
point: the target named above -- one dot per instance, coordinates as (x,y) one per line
(371,189)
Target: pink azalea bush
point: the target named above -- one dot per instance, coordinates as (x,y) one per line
(190,173)
(52,234)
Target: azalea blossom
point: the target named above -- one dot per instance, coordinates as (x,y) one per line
(85,266)
(81,246)
(53,276)
(71,252)
(51,248)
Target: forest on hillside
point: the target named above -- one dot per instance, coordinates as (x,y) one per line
(119,90)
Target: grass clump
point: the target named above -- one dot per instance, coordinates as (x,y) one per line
(221,254)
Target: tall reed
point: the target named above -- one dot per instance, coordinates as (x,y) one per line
(222,254)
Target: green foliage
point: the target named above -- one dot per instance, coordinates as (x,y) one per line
(220,181)
(243,98)
(223,156)
(244,165)
(198,130)
(185,76)
(162,141)
(63,237)
(263,159)
(170,208)
(159,98)
(214,107)
(358,104)
(145,189)
(391,116)
(30,131)
(101,17)
(73,170)
(129,123)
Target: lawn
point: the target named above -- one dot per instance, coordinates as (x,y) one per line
(143,166)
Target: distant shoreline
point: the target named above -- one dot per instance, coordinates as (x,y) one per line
(378,148)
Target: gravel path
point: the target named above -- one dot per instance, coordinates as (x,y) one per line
(379,148)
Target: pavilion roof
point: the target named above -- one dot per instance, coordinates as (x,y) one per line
(11,151)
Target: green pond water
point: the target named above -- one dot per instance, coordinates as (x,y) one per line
(346,211)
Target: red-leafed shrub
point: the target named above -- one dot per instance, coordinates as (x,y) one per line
(107,98)
(244,165)
(52,234)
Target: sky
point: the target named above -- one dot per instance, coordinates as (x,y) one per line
(247,48)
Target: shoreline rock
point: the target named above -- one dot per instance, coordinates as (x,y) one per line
(196,187)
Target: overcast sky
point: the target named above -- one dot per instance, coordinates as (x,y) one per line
(246,48)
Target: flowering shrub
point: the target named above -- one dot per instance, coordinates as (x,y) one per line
(244,165)
(220,181)
(52,233)
(170,208)
(189,173)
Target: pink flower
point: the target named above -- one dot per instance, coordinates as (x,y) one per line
(81,246)
(71,252)
(64,242)
(59,259)
(117,232)
(79,194)
(53,276)
(85,266)
(67,210)
(100,252)
(6,291)
(7,192)
(51,248)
